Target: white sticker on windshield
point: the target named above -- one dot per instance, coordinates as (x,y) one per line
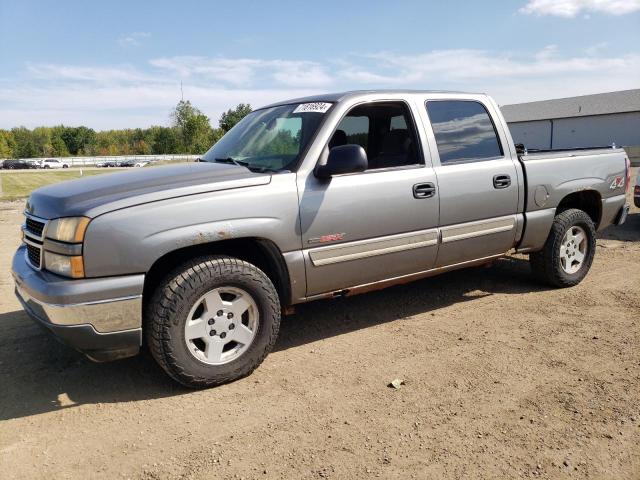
(316,107)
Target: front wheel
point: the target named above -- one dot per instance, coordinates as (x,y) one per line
(568,253)
(213,320)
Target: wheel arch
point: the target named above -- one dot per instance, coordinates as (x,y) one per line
(589,201)
(261,252)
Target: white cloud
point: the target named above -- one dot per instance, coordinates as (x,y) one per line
(123,106)
(120,96)
(242,71)
(134,39)
(86,73)
(466,66)
(547,53)
(572,8)
(596,49)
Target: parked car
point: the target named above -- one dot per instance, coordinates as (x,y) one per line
(636,192)
(306,199)
(110,164)
(16,165)
(128,163)
(33,163)
(142,164)
(53,163)
(106,163)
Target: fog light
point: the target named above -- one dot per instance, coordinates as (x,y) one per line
(72,267)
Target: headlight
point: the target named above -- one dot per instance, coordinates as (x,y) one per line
(63,246)
(64,265)
(70,230)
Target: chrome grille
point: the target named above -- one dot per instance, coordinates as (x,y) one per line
(34,227)
(34,255)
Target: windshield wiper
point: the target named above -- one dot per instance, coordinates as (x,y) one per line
(232,160)
(253,168)
(267,169)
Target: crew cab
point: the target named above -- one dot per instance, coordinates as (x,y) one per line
(305,199)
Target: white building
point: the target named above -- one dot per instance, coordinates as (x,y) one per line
(585,121)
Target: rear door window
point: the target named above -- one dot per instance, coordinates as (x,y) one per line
(464,131)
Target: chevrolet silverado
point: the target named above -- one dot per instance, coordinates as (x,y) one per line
(305,199)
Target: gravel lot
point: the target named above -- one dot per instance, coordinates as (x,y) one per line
(504,378)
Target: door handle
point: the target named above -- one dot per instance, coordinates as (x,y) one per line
(424,190)
(501,181)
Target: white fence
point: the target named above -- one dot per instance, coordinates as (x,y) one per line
(88,161)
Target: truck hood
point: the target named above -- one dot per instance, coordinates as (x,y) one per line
(95,195)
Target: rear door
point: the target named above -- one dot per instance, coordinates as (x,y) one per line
(477,181)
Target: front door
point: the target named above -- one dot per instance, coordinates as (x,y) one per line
(379,224)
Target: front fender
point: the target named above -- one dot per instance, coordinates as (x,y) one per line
(131,240)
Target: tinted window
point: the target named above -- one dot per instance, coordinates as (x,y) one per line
(463,130)
(398,123)
(384,130)
(356,130)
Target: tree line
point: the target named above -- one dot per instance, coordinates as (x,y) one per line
(190,132)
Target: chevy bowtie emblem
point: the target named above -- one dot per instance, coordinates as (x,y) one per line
(332,237)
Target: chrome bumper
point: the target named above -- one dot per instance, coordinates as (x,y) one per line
(101,317)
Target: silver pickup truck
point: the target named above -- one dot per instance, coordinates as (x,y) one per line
(305,199)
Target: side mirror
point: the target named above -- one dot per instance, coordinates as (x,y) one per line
(343,159)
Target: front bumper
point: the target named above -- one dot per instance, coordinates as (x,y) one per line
(100,317)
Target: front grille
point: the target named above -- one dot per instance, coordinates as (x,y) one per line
(34,227)
(33,253)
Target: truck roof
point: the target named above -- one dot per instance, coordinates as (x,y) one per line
(339,96)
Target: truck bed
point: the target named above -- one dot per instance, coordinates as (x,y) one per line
(567,152)
(551,176)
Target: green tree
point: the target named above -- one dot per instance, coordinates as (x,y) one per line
(165,140)
(59,147)
(42,141)
(190,132)
(197,134)
(193,127)
(79,140)
(232,116)
(7,144)
(25,146)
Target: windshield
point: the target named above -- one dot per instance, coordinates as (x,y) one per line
(270,139)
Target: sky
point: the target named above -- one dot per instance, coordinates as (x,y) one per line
(120,64)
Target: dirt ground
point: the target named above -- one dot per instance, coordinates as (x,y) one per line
(504,378)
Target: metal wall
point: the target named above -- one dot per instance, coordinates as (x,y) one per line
(597,130)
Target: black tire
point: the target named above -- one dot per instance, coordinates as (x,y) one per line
(170,304)
(546,265)
(65,166)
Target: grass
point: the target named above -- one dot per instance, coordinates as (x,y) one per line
(17,185)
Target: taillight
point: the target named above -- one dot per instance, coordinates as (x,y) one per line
(627,166)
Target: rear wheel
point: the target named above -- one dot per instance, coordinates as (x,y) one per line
(568,253)
(212,320)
